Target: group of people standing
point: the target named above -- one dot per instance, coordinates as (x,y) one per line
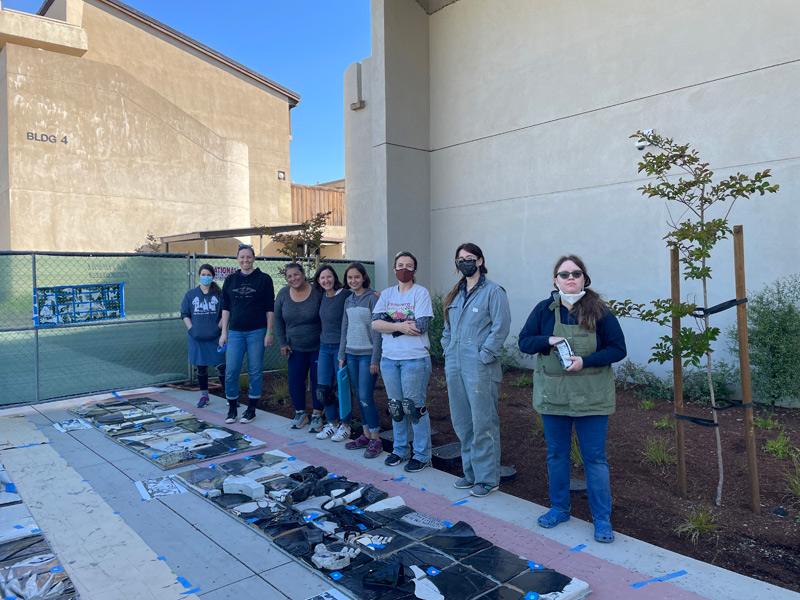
(324,324)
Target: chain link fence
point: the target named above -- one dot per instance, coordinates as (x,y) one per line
(62,329)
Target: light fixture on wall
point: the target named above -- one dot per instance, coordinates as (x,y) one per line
(641,143)
(281,175)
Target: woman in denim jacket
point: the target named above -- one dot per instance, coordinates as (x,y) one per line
(477,321)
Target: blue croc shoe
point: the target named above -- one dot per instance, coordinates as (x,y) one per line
(552,518)
(603,532)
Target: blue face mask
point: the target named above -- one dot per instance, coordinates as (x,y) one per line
(206,279)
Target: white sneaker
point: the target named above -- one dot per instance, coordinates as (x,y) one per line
(326,432)
(342,433)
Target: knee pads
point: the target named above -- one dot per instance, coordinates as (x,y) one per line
(396,410)
(414,412)
(325,395)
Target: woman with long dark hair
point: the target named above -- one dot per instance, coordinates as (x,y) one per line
(331,311)
(248,305)
(476,323)
(576,389)
(360,349)
(298,328)
(201,311)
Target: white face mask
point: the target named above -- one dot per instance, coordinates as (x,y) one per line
(571,298)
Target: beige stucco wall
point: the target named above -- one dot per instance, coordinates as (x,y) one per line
(5,215)
(133,161)
(531,106)
(231,104)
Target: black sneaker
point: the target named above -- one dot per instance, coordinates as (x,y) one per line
(249,415)
(393,460)
(415,465)
(232,412)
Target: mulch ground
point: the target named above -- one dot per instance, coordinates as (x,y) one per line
(646,504)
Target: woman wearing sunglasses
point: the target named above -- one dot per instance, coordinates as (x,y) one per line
(476,324)
(248,305)
(580,393)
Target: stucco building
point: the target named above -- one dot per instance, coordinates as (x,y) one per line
(113,124)
(508,123)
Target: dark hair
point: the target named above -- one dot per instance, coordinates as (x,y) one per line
(408,254)
(246,247)
(451,295)
(592,307)
(360,268)
(293,265)
(215,289)
(336,283)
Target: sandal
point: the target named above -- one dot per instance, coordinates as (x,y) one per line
(603,532)
(552,518)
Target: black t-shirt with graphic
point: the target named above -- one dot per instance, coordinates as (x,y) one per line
(248,298)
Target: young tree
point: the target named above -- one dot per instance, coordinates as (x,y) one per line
(306,242)
(151,244)
(694,232)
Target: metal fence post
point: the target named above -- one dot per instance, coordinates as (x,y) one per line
(189,276)
(35,333)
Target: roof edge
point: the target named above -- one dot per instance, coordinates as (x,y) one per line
(293,96)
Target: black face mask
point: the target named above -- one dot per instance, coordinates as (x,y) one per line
(468,267)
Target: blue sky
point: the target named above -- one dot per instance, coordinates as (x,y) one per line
(304,45)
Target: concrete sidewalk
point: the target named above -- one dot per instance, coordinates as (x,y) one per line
(79,486)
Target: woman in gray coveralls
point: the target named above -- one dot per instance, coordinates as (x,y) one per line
(477,321)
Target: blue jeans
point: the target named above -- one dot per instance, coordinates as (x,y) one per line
(591,433)
(409,379)
(358,369)
(326,376)
(240,342)
(301,365)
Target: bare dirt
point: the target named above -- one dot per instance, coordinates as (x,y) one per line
(646,504)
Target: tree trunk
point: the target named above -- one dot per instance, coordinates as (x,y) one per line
(709,371)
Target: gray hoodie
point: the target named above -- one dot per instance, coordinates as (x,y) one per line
(358,338)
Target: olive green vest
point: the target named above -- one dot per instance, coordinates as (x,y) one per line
(589,391)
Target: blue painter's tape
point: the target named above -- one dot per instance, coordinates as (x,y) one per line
(531,596)
(332,475)
(11,488)
(578,548)
(253,520)
(460,502)
(57,569)
(195,590)
(658,579)
(200,456)
(161,558)
(361,526)
(248,457)
(187,440)
(184,582)
(84,480)
(295,443)
(447,523)
(232,449)
(36,531)
(284,467)
(433,572)
(18,527)
(291,458)
(398,479)
(533,565)
(377,545)
(116,395)
(154,456)
(358,512)
(351,507)
(336,575)
(116,512)
(212,465)
(422,489)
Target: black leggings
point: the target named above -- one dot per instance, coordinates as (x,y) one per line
(202,375)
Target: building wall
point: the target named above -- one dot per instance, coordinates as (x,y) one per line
(530,107)
(5,204)
(132,161)
(229,103)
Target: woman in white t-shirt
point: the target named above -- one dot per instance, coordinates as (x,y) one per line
(402,316)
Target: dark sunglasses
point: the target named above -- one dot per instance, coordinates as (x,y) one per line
(245,246)
(566,274)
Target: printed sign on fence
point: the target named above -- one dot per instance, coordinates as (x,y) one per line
(65,304)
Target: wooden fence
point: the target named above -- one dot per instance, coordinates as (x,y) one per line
(308,200)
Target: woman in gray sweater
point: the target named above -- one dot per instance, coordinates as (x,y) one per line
(298,328)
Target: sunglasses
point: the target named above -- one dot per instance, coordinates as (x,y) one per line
(245,246)
(566,274)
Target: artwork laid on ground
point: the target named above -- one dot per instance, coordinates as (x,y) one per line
(29,570)
(162,433)
(159,486)
(372,545)
(78,304)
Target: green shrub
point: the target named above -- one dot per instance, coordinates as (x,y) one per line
(523,381)
(779,447)
(436,328)
(538,425)
(699,523)
(651,386)
(695,382)
(792,477)
(657,452)
(512,359)
(647,404)
(575,451)
(773,331)
(664,423)
(766,423)
(244,383)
